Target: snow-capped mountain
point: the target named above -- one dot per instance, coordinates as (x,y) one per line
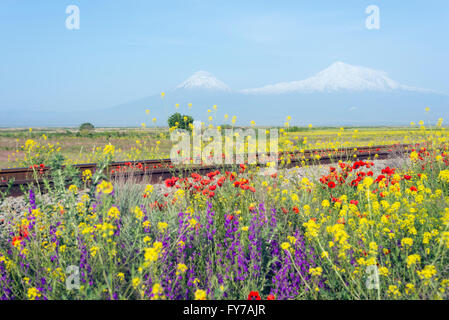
(203,80)
(338,77)
(339,95)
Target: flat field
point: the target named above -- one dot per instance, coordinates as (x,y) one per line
(154,143)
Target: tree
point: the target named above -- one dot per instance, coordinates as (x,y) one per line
(180,121)
(86,127)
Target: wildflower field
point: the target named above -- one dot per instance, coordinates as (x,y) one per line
(357,230)
(26,147)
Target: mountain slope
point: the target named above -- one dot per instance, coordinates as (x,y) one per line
(338,77)
(203,80)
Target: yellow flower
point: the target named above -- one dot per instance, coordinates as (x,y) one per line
(114,213)
(87,175)
(93,251)
(162,226)
(200,294)
(105,187)
(181,268)
(428,272)
(413,260)
(33,293)
(121,276)
(149,189)
(383,271)
(192,223)
(414,156)
(150,254)
(444,175)
(157,291)
(312,228)
(393,291)
(409,288)
(407,242)
(109,149)
(138,213)
(73,189)
(316,271)
(368,181)
(285,245)
(135,282)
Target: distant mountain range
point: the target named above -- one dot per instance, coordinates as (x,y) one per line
(339,77)
(342,94)
(336,78)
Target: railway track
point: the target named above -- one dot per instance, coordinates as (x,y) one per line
(157,170)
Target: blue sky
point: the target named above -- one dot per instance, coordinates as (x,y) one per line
(127,50)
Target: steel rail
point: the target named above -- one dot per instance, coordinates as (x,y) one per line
(159,170)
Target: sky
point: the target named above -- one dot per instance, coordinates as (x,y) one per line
(126,50)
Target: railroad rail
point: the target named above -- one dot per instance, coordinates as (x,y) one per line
(159,170)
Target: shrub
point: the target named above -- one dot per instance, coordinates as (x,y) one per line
(180,121)
(86,127)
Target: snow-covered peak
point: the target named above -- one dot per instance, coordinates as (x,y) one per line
(203,80)
(337,77)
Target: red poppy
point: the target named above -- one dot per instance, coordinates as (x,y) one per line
(331,185)
(389,171)
(171,182)
(205,182)
(271,297)
(24,231)
(295,209)
(16,239)
(254,295)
